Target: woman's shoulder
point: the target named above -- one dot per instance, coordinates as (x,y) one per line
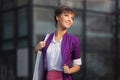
(73,37)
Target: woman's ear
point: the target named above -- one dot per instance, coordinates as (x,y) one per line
(57,18)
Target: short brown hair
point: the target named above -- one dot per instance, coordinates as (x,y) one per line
(59,10)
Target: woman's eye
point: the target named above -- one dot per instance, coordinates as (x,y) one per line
(66,15)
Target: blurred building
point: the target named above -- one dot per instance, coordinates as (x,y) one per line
(24,22)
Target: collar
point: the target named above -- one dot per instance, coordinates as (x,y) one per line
(53,40)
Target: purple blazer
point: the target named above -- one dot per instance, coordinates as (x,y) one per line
(70,49)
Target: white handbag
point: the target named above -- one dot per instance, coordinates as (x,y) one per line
(38,69)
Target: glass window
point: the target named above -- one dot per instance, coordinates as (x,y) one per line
(98,45)
(8,66)
(22,43)
(22,22)
(119,4)
(22,62)
(99,66)
(98,31)
(21,2)
(6,1)
(0,5)
(8,45)
(119,23)
(8,25)
(119,42)
(43,22)
(8,4)
(46,2)
(99,22)
(100,5)
(72,3)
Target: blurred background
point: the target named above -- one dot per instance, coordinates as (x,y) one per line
(23,23)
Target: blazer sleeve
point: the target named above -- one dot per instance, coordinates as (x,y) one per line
(76,48)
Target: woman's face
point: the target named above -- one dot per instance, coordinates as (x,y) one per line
(65,20)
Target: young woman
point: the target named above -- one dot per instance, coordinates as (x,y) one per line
(61,51)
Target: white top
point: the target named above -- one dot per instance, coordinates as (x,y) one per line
(54,59)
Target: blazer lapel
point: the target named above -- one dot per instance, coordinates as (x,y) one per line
(47,44)
(64,48)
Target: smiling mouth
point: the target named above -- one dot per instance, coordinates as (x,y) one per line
(67,22)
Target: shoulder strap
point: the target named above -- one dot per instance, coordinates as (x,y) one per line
(46,37)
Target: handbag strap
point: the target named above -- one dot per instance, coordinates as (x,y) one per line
(46,37)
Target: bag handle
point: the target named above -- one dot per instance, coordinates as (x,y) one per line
(46,37)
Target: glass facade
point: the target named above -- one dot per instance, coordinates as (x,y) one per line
(75,4)
(43,22)
(21,2)
(14,36)
(8,25)
(8,30)
(100,5)
(46,2)
(8,4)
(24,23)
(98,28)
(22,28)
(7,67)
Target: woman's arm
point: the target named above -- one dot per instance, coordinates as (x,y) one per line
(75,57)
(71,70)
(39,47)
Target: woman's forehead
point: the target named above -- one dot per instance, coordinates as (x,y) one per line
(69,12)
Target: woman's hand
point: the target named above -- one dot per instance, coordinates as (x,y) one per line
(71,70)
(40,46)
(66,69)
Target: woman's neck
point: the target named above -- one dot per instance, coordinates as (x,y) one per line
(59,34)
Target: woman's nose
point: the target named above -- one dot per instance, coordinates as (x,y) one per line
(69,19)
